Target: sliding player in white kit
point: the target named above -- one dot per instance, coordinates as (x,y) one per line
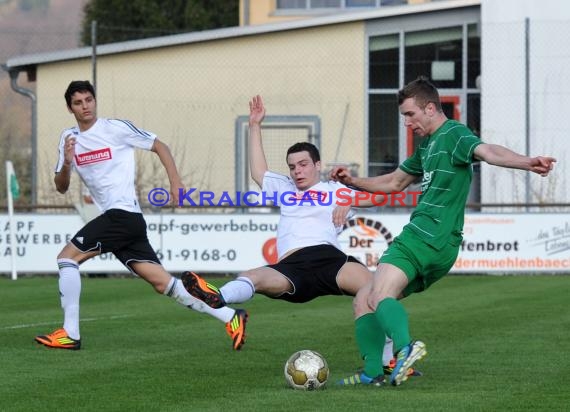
(102,152)
(311,262)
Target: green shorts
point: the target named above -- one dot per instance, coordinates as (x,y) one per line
(422,264)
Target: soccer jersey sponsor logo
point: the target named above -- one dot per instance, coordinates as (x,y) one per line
(426,180)
(95,156)
(309,195)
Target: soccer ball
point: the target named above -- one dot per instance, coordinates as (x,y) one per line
(306,370)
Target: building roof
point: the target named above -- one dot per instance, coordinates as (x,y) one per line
(25,61)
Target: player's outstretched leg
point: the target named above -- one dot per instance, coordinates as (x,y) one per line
(200,289)
(405,358)
(59,339)
(236,328)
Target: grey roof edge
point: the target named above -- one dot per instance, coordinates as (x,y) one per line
(23,61)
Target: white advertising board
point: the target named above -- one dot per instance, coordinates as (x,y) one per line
(493,243)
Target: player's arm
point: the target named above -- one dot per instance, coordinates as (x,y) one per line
(167,160)
(257,161)
(501,156)
(341,214)
(395,181)
(63,176)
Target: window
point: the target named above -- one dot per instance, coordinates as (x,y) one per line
(291,4)
(474,113)
(321,4)
(383,133)
(393,2)
(384,57)
(339,4)
(360,3)
(473,56)
(436,54)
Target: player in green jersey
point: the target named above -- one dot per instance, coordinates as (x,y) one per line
(428,246)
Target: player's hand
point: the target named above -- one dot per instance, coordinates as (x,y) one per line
(69,149)
(340,215)
(542,165)
(256,110)
(175,190)
(341,174)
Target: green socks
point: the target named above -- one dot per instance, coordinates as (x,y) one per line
(389,319)
(370,339)
(392,317)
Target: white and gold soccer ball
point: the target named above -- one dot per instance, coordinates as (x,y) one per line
(306,370)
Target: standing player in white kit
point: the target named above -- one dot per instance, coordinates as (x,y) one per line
(102,152)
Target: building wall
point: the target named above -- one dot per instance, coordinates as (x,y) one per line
(504,94)
(191,95)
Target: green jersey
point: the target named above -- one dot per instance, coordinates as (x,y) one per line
(444,160)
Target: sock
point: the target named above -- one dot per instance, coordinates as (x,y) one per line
(388,353)
(238,290)
(176,291)
(370,338)
(394,320)
(69,292)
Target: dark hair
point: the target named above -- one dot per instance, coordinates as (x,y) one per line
(78,86)
(422,91)
(305,147)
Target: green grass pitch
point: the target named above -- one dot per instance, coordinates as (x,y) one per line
(494,344)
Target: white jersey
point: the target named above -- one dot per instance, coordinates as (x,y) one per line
(306,216)
(105,161)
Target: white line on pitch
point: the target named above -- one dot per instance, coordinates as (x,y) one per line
(33,325)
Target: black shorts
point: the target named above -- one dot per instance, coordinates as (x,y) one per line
(119,232)
(312,271)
